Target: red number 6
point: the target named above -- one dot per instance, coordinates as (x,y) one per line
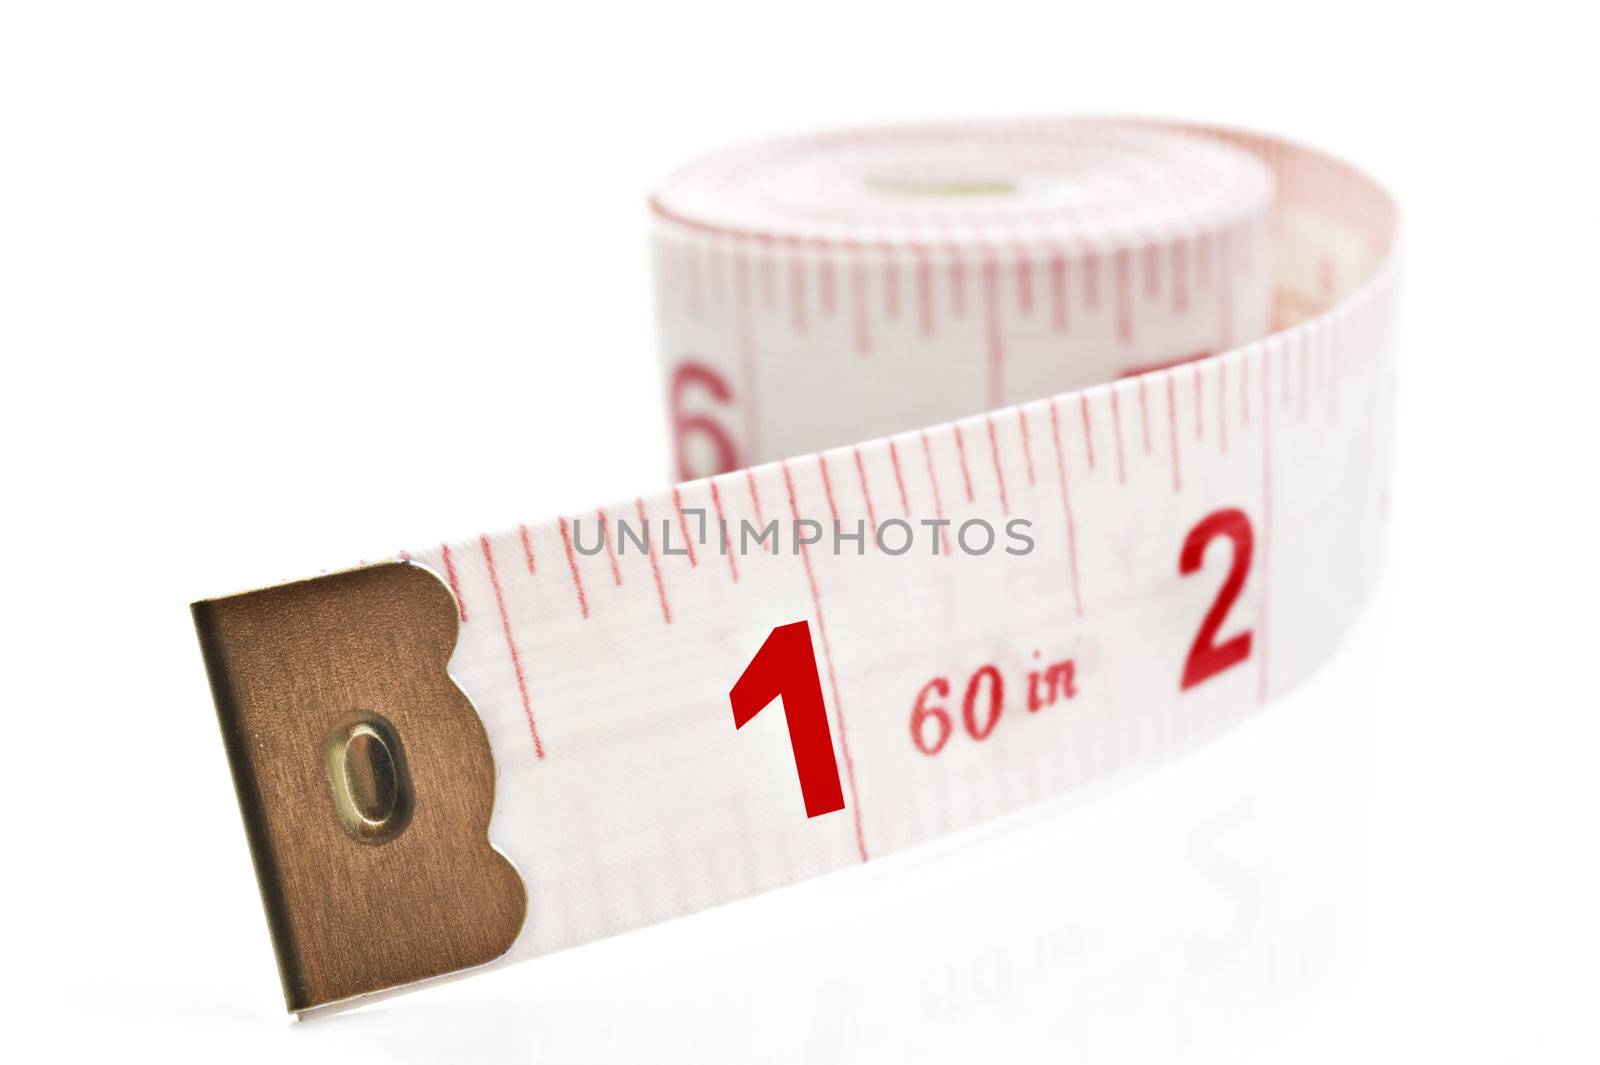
(686,376)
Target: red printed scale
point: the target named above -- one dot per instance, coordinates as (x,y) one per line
(1122,389)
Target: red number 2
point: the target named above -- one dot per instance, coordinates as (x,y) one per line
(1206,658)
(786,666)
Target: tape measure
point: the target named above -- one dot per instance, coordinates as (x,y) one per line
(1014,454)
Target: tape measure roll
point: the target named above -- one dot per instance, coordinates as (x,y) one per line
(1175,517)
(912,276)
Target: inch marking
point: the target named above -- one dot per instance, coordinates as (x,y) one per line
(527,548)
(858,301)
(1144,415)
(999,474)
(1066,505)
(1088,434)
(1222,406)
(833,683)
(1116,430)
(966,475)
(611,551)
(991,315)
(827,487)
(455,584)
(938,504)
(900,480)
(1058,292)
(1027,445)
(1266,516)
(722,524)
(866,493)
(1172,428)
(683,527)
(797,294)
(572,564)
(511,645)
(755,500)
(655,563)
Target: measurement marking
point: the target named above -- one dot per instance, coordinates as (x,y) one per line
(866,493)
(924,291)
(938,504)
(1124,297)
(1199,412)
(1222,405)
(1116,432)
(755,500)
(1058,292)
(572,564)
(827,487)
(697,302)
(722,524)
(1172,426)
(858,299)
(1225,288)
(1024,284)
(1152,271)
(827,292)
(833,683)
(1334,365)
(1244,392)
(611,551)
(1266,517)
(1305,374)
(1066,505)
(655,565)
(991,314)
(719,283)
(683,527)
(958,284)
(1027,445)
(511,645)
(1091,280)
(769,283)
(961,449)
(1202,261)
(1088,434)
(747,354)
(891,284)
(900,480)
(527,548)
(455,585)
(797,293)
(1144,415)
(999,474)
(1180,277)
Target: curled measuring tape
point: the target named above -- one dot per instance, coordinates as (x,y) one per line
(1092,419)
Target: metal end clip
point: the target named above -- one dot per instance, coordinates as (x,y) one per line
(365,779)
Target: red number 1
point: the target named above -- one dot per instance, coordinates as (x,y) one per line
(786,666)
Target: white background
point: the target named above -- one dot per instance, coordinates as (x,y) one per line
(283,285)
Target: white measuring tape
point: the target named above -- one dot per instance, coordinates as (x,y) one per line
(1083,505)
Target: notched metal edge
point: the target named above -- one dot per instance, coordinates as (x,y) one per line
(251,804)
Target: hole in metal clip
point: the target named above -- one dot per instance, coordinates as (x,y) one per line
(371,785)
